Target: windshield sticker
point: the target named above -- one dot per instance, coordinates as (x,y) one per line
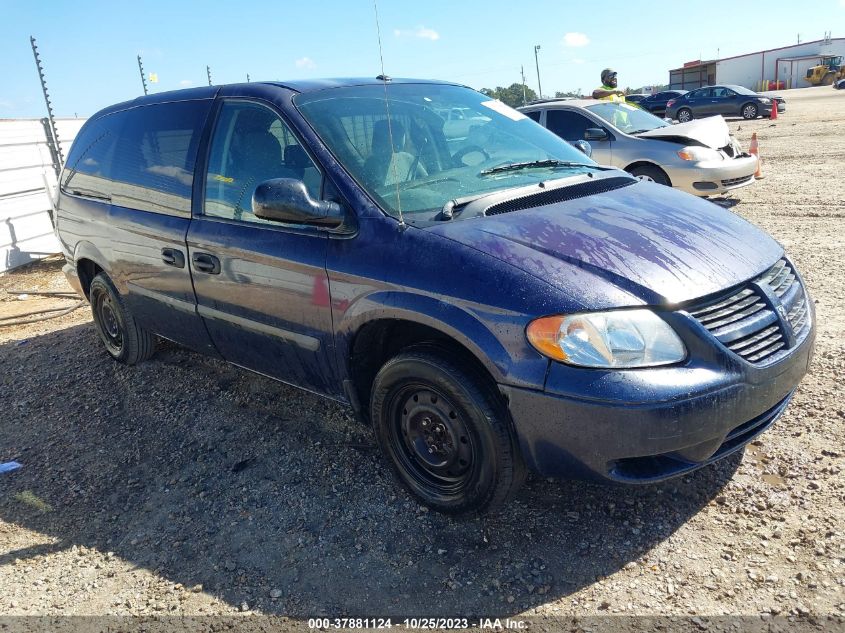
(502,108)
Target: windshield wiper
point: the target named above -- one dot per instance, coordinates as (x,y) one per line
(456,205)
(90,194)
(532,165)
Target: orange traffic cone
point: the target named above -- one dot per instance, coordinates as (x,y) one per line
(754,149)
(774,114)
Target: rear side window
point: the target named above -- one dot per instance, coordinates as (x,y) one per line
(567,124)
(155,155)
(535,115)
(142,158)
(88,164)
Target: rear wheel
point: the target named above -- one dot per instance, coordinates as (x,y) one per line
(651,174)
(749,110)
(123,338)
(685,115)
(446,433)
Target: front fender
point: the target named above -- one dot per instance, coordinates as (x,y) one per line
(495,337)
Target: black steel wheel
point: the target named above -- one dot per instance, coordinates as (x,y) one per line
(445,432)
(123,338)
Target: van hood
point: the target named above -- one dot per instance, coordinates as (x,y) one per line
(657,245)
(710,132)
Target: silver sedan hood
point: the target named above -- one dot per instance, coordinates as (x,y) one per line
(710,132)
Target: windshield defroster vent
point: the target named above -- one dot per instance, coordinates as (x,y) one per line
(561,194)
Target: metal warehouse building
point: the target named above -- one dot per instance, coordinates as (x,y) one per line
(787,64)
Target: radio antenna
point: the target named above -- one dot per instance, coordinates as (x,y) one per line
(385,79)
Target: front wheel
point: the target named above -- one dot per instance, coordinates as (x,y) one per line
(446,433)
(123,338)
(749,110)
(651,174)
(685,115)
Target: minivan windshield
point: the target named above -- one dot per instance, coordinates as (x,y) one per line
(627,118)
(441,143)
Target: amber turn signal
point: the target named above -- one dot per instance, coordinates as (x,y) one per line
(543,335)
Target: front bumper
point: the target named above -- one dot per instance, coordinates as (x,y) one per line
(641,426)
(710,178)
(766,110)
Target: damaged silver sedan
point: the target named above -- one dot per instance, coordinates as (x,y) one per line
(700,157)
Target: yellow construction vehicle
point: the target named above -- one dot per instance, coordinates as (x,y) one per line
(829,70)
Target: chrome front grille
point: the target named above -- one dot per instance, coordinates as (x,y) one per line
(748,324)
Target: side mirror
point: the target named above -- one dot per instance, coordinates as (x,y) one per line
(595,134)
(584,147)
(287,200)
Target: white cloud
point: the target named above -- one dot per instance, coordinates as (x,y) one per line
(305,62)
(575,39)
(186,82)
(577,60)
(6,104)
(421,32)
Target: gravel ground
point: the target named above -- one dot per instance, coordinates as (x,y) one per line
(186,486)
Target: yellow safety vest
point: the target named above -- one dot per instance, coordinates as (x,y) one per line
(614,98)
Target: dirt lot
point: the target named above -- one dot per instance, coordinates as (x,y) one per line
(186,486)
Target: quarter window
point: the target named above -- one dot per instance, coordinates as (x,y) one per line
(252,144)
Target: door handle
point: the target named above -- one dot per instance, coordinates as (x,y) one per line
(173,257)
(206,263)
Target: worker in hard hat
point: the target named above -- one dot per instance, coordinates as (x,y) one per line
(608,90)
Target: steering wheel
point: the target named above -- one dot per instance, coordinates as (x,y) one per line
(469,149)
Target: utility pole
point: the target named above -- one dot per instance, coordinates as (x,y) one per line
(247,77)
(537,61)
(522,72)
(141,70)
(53,143)
(208,72)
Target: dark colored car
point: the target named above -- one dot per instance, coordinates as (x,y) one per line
(490,304)
(725,100)
(635,98)
(656,103)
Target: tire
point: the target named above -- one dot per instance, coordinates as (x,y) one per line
(750,110)
(445,432)
(123,338)
(828,79)
(651,173)
(685,115)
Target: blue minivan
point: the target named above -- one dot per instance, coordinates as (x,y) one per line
(485,296)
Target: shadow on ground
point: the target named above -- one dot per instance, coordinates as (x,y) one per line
(207,474)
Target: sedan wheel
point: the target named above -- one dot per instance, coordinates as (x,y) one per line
(684,115)
(749,111)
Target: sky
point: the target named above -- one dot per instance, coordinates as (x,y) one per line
(89,48)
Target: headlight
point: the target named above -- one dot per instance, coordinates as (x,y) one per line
(617,339)
(699,153)
(764,100)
